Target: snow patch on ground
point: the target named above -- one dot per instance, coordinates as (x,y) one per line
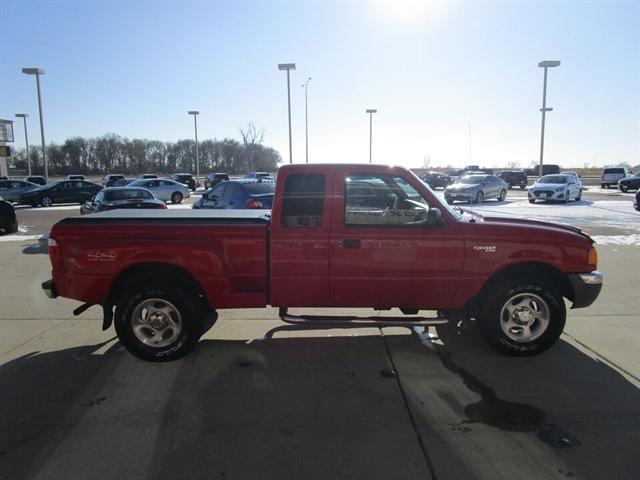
(21,238)
(633,239)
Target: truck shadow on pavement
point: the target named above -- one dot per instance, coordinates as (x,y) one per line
(371,407)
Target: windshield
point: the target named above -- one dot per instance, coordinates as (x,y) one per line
(472,179)
(559,179)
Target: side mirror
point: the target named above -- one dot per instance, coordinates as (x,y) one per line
(434,218)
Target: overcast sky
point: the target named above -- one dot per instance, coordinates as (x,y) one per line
(434,71)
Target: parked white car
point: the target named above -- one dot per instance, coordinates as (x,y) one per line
(164,189)
(561,187)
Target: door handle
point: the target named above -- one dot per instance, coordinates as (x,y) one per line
(351,243)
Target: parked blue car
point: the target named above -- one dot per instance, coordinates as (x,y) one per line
(238,194)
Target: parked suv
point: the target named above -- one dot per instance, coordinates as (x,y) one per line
(514,178)
(611,176)
(37,179)
(436,179)
(111,178)
(185,178)
(215,178)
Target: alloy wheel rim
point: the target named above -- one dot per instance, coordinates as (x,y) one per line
(156,322)
(525,317)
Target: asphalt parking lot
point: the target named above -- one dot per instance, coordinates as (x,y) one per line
(256,400)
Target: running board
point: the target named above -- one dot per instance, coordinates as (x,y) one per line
(359,322)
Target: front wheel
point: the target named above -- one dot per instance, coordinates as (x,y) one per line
(579,197)
(624,188)
(176,197)
(479,197)
(521,317)
(158,322)
(46,201)
(503,195)
(532,200)
(449,201)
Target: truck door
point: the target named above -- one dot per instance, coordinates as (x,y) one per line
(299,247)
(384,252)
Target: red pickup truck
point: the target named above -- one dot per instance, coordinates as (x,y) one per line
(339,236)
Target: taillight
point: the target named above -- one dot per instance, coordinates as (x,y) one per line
(253,203)
(592,258)
(54,253)
(163,206)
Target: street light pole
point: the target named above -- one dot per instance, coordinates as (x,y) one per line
(37,72)
(546,64)
(195,114)
(26,140)
(306,122)
(371,111)
(288,67)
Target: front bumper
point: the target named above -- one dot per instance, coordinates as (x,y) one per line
(586,288)
(544,194)
(463,196)
(50,289)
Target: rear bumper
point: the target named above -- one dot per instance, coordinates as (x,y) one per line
(50,289)
(586,288)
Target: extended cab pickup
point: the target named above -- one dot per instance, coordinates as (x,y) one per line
(339,236)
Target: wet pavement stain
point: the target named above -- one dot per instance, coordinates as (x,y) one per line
(92,403)
(505,415)
(388,373)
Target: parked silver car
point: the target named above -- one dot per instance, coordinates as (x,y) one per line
(561,187)
(11,190)
(164,189)
(476,188)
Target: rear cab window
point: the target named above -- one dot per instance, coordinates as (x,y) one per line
(303,200)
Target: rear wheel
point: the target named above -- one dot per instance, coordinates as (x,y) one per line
(522,317)
(176,197)
(522,187)
(46,201)
(158,322)
(603,185)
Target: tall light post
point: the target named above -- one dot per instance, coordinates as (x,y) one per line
(306,122)
(545,64)
(195,114)
(371,111)
(37,72)
(24,116)
(288,67)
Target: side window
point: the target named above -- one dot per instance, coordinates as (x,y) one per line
(303,200)
(218,191)
(233,190)
(86,184)
(383,200)
(4,185)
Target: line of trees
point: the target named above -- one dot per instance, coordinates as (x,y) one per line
(112,153)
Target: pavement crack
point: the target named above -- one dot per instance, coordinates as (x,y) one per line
(611,363)
(405,400)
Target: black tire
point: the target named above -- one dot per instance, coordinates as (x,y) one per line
(522,187)
(449,201)
(603,186)
(566,197)
(479,198)
(181,327)
(579,197)
(532,200)
(46,201)
(502,196)
(495,318)
(509,185)
(624,188)
(176,197)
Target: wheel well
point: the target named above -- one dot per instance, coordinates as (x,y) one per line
(548,273)
(153,271)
